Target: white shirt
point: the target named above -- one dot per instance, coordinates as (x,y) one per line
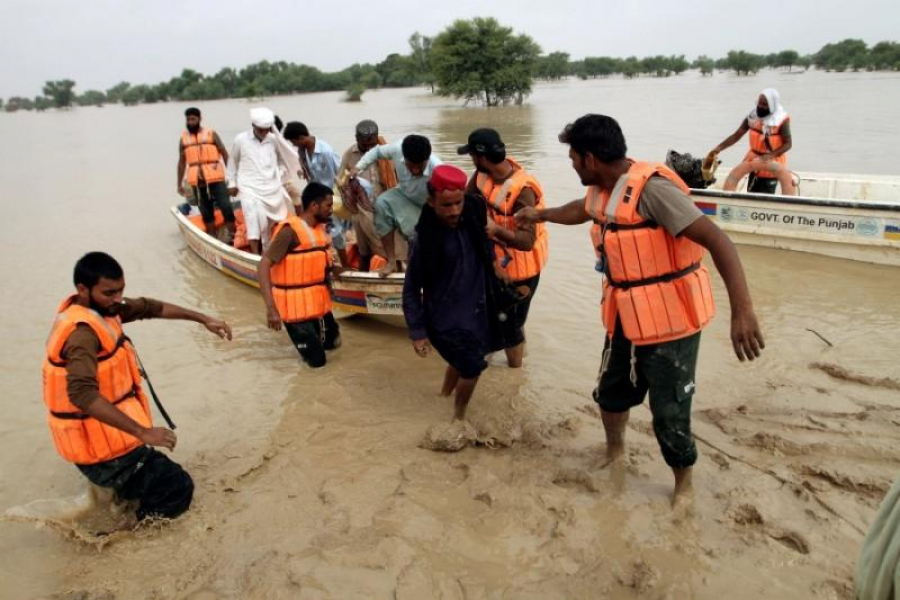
(254,167)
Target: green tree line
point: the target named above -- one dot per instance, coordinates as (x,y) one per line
(477,60)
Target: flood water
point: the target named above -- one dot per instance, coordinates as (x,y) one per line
(310,484)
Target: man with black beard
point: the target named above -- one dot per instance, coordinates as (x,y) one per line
(98,413)
(202,154)
(521,249)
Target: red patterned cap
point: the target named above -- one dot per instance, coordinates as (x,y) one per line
(448,177)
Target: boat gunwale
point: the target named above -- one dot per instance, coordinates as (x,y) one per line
(350,277)
(796,200)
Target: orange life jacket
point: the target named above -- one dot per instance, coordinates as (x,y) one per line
(202,156)
(299,285)
(387,173)
(501,200)
(79,438)
(655,283)
(764,140)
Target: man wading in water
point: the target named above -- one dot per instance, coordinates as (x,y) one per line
(98,414)
(450,295)
(657,297)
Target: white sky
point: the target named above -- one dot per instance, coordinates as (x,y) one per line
(101,42)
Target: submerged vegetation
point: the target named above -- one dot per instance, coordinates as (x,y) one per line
(477,60)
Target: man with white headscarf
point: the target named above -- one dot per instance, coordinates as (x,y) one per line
(770,139)
(254,175)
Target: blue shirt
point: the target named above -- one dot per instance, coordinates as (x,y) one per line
(323,163)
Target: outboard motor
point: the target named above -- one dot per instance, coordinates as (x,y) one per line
(690,169)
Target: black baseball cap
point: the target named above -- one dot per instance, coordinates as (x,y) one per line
(482,141)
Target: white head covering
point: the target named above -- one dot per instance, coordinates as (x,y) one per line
(776,115)
(262,117)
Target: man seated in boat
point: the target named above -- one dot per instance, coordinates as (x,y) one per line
(98,413)
(770,139)
(382,176)
(293,277)
(398,208)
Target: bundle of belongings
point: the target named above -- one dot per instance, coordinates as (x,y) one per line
(696,173)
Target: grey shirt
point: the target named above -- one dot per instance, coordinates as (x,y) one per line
(663,202)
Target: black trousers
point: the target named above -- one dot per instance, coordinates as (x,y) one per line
(313,338)
(161,486)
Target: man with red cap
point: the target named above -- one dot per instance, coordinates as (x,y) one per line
(450,295)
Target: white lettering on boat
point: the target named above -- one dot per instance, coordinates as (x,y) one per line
(804,221)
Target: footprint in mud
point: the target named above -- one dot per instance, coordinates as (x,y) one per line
(577,478)
(748,515)
(449,437)
(790,539)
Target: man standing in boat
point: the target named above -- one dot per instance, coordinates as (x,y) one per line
(99,415)
(382,176)
(770,140)
(202,154)
(254,176)
(293,277)
(657,295)
(522,249)
(318,163)
(398,209)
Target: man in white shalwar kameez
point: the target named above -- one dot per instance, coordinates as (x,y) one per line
(254,176)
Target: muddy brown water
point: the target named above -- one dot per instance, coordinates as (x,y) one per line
(311,485)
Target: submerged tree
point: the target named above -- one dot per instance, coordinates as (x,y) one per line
(483,61)
(705,64)
(60,93)
(787,58)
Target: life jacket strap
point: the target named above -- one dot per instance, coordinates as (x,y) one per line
(627,285)
(80,416)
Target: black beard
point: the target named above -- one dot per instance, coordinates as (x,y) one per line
(111,311)
(193,128)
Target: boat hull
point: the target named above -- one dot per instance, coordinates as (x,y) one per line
(860,230)
(354,293)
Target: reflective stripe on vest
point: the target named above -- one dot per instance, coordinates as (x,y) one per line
(202,157)
(299,286)
(78,437)
(655,283)
(501,199)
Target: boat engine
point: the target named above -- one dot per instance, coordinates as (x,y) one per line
(690,170)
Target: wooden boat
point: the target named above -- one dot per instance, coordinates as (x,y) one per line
(854,217)
(355,292)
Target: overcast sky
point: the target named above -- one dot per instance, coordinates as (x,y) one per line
(101,42)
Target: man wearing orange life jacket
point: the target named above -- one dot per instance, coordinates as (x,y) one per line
(657,296)
(770,139)
(521,250)
(293,277)
(98,413)
(202,154)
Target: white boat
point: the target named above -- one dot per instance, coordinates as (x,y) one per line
(855,217)
(354,292)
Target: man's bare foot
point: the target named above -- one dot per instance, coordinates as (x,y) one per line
(683,495)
